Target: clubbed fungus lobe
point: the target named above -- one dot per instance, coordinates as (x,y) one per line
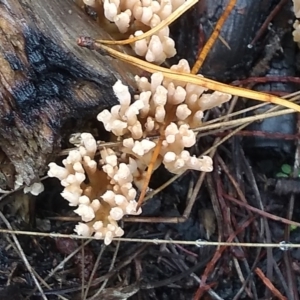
(107,196)
(162,107)
(135,17)
(104,190)
(296,32)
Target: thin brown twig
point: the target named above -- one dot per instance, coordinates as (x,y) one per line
(46,285)
(184,274)
(241,276)
(264,222)
(269,284)
(282,280)
(202,286)
(110,269)
(35,273)
(184,267)
(266,23)
(266,79)
(249,277)
(232,179)
(85,294)
(215,204)
(261,212)
(61,264)
(25,260)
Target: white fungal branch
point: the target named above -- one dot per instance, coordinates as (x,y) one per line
(296,32)
(138,16)
(160,99)
(104,190)
(100,207)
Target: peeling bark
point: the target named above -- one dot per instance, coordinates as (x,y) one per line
(46,79)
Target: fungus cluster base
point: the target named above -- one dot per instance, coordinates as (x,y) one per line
(104,189)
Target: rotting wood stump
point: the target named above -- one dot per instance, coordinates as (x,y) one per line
(46,80)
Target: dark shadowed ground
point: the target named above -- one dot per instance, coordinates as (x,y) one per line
(249,198)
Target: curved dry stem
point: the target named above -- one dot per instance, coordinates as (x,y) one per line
(194,79)
(213,37)
(170,19)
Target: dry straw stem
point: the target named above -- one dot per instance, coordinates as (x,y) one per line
(200,243)
(209,125)
(57,268)
(272,112)
(213,37)
(23,256)
(197,80)
(96,265)
(149,171)
(269,284)
(112,262)
(244,120)
(170,19)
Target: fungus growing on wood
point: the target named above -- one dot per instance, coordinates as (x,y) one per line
(104,190)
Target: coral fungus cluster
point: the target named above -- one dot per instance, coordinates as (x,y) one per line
(296,32)
(104,189)
(137,17)
(166,108)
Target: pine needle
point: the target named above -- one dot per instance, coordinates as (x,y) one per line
(204,82)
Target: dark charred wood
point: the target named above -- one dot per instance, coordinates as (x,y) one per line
(46,79)
(11,292)
(230,57)
(278,59)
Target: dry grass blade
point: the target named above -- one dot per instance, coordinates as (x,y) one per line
(197,80)
(179,242)
(272,112)
(149,171)
(98,293)
(93,272)
(59,267)
(269,284)
(25,260)
(213,37)
(244,120)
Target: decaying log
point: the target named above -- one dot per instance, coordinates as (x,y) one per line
(46,80)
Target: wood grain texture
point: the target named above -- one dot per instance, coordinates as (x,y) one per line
(46,79)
